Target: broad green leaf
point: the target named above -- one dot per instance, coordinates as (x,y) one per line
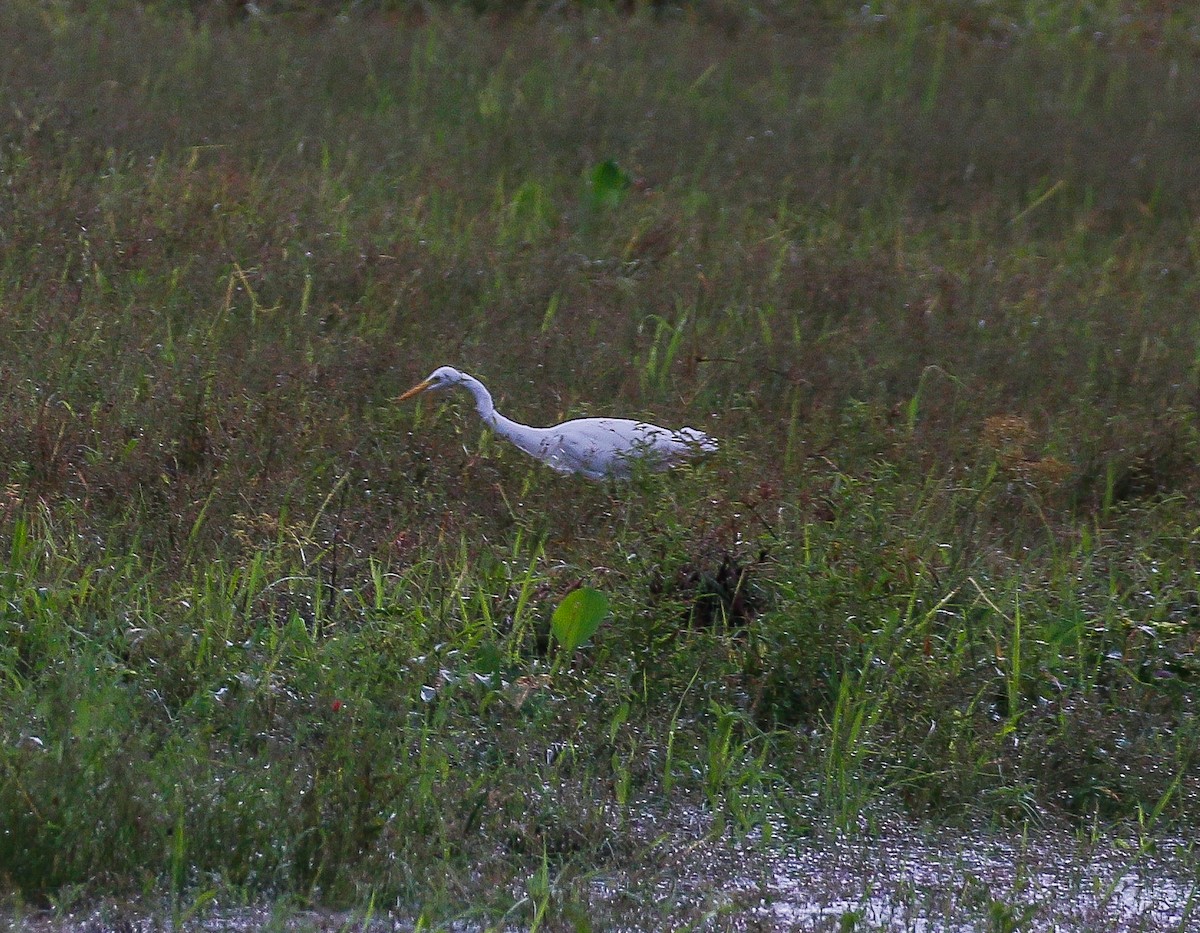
(608,184)
(578,616)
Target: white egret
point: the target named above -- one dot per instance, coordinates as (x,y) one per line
(596,448)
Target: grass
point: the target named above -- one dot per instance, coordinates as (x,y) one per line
(928,270)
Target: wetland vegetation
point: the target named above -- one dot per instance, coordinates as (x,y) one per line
(929,270)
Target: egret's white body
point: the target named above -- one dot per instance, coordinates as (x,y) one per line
(597,448)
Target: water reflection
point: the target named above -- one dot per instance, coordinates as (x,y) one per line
(908,878)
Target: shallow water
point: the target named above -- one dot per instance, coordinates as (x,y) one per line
(903,877)
(906,877)
(908,880)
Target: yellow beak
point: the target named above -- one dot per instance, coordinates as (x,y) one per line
(415,390)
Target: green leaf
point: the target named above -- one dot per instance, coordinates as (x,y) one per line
(578,616)
(608,184)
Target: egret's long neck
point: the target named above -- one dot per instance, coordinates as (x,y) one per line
(522,435)
(483,398)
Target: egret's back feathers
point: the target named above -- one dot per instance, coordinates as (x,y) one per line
(601,448)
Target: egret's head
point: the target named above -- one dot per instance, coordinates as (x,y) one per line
(441,378)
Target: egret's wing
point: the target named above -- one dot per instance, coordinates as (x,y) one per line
(698,441)
(610,447)
(589,446)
